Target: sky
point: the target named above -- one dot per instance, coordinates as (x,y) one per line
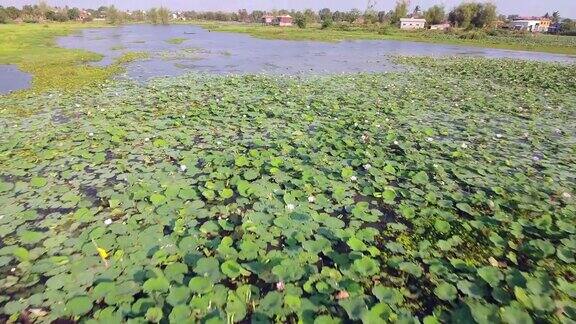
(567,8)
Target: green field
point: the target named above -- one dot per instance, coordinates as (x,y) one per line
(537,43)
(442,193)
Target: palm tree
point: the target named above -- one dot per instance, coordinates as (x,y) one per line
(556,16)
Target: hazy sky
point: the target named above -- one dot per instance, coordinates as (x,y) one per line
(567,8)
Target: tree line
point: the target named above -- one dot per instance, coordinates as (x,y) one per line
(467,15)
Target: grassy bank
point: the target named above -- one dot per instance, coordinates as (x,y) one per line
(537,43)
(33,49)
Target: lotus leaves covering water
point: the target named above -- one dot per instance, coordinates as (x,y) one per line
(445,193)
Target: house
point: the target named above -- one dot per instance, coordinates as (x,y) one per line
(412,23)
(441,26)
(84,15)
(267,19)
(283,21)
(531,24)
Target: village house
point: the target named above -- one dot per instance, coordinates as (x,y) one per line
(531,24)
(441,26)
(84,15)
(282,21)
(267,19)
(412,23)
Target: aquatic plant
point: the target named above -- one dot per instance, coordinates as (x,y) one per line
(442,193)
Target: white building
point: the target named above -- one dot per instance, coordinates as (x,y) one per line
(412,23)
(532,25)
(442,26)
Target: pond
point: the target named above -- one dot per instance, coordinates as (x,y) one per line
(178,49)
(12,79)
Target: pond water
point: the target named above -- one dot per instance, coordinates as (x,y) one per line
(201,50)
(12,79)
(225,53)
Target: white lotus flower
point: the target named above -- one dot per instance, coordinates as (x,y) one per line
(183,168)
(218,143)
(535,158)
(396,143)
(430,139)
(367,166)
(108,221)
(90,134)
(311,199)
(146,139)
(464,145)
(566,195)
(353,178)
(377,125)
(290,207)
(13,269)
(499,135)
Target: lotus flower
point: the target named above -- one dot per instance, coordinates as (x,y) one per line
(280,286)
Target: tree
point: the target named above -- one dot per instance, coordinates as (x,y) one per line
(13,12)
(300,20)
(435,15)
(42,8)
(163,16)
(556,17)
(310,16)
(73,13)
(370,14)
(352,15)
(152,16)
(243,15)
(568,26)
(4,18)
(473,14)
(324,14)
(485,15)
(338,16)
(417,12)
(382,17)
(114,16)
(400,11)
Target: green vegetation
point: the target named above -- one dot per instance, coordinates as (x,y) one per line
(158,16)
(344,31)
(444,193)
(32,48)
(176,40)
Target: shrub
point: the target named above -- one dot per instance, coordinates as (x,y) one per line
(473,34)
(385,30)
(300,21)
(327,23)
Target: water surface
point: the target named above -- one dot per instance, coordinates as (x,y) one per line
(12,79)
(225,53)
